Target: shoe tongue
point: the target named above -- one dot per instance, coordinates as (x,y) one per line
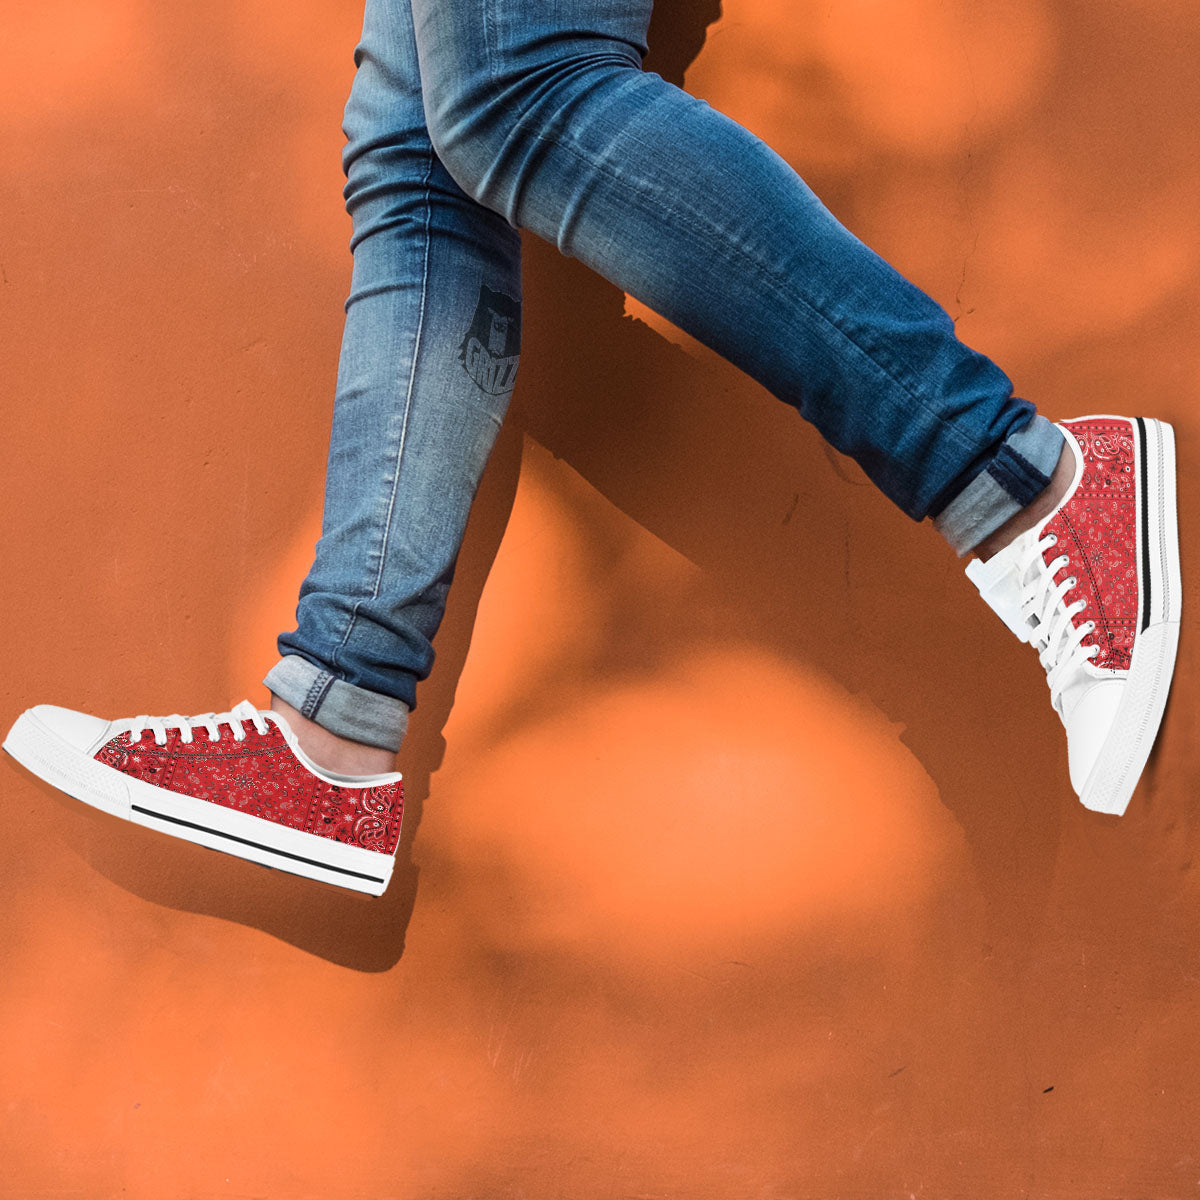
(999,582)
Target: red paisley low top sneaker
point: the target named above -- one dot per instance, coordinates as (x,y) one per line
(236,781)
(1095,589)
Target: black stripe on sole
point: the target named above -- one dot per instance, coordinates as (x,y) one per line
(1144,498)
(233,837)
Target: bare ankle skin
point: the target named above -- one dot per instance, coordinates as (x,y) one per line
(334,753)
(1042,506)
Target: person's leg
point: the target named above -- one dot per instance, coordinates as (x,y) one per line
(544,113)
(428,360)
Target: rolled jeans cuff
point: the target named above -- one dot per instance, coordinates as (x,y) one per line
(343,708)
(1018,472)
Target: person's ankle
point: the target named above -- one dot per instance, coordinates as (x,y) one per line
(338,754)
(1042,505)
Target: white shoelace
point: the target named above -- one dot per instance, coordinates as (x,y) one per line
(245,711)
(1053,632)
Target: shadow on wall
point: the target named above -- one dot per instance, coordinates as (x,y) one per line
(976,174)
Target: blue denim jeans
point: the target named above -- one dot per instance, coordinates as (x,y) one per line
(470,121)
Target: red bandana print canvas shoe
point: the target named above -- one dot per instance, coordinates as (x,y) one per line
(1095,588)
(237,781)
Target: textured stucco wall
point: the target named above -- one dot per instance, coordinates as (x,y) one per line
(740,858)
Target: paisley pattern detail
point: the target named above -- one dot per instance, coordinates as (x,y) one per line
(1097,529)
(261,777)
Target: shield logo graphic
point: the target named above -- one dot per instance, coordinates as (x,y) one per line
(492,345)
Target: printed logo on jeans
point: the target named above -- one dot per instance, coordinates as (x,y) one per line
(491,347)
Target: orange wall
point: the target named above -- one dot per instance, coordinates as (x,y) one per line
(740,858)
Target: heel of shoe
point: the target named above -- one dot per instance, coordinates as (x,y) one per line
(1113,779)
(1158,528)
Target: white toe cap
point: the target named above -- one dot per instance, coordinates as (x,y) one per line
(81,731)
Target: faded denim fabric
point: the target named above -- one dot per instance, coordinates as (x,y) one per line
(472,120)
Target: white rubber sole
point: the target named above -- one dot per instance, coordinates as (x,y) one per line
(40,750)
(1109,786)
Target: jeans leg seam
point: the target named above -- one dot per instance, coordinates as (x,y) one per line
(408,396)
(316,693)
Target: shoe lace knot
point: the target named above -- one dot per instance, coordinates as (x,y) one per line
(212,721)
